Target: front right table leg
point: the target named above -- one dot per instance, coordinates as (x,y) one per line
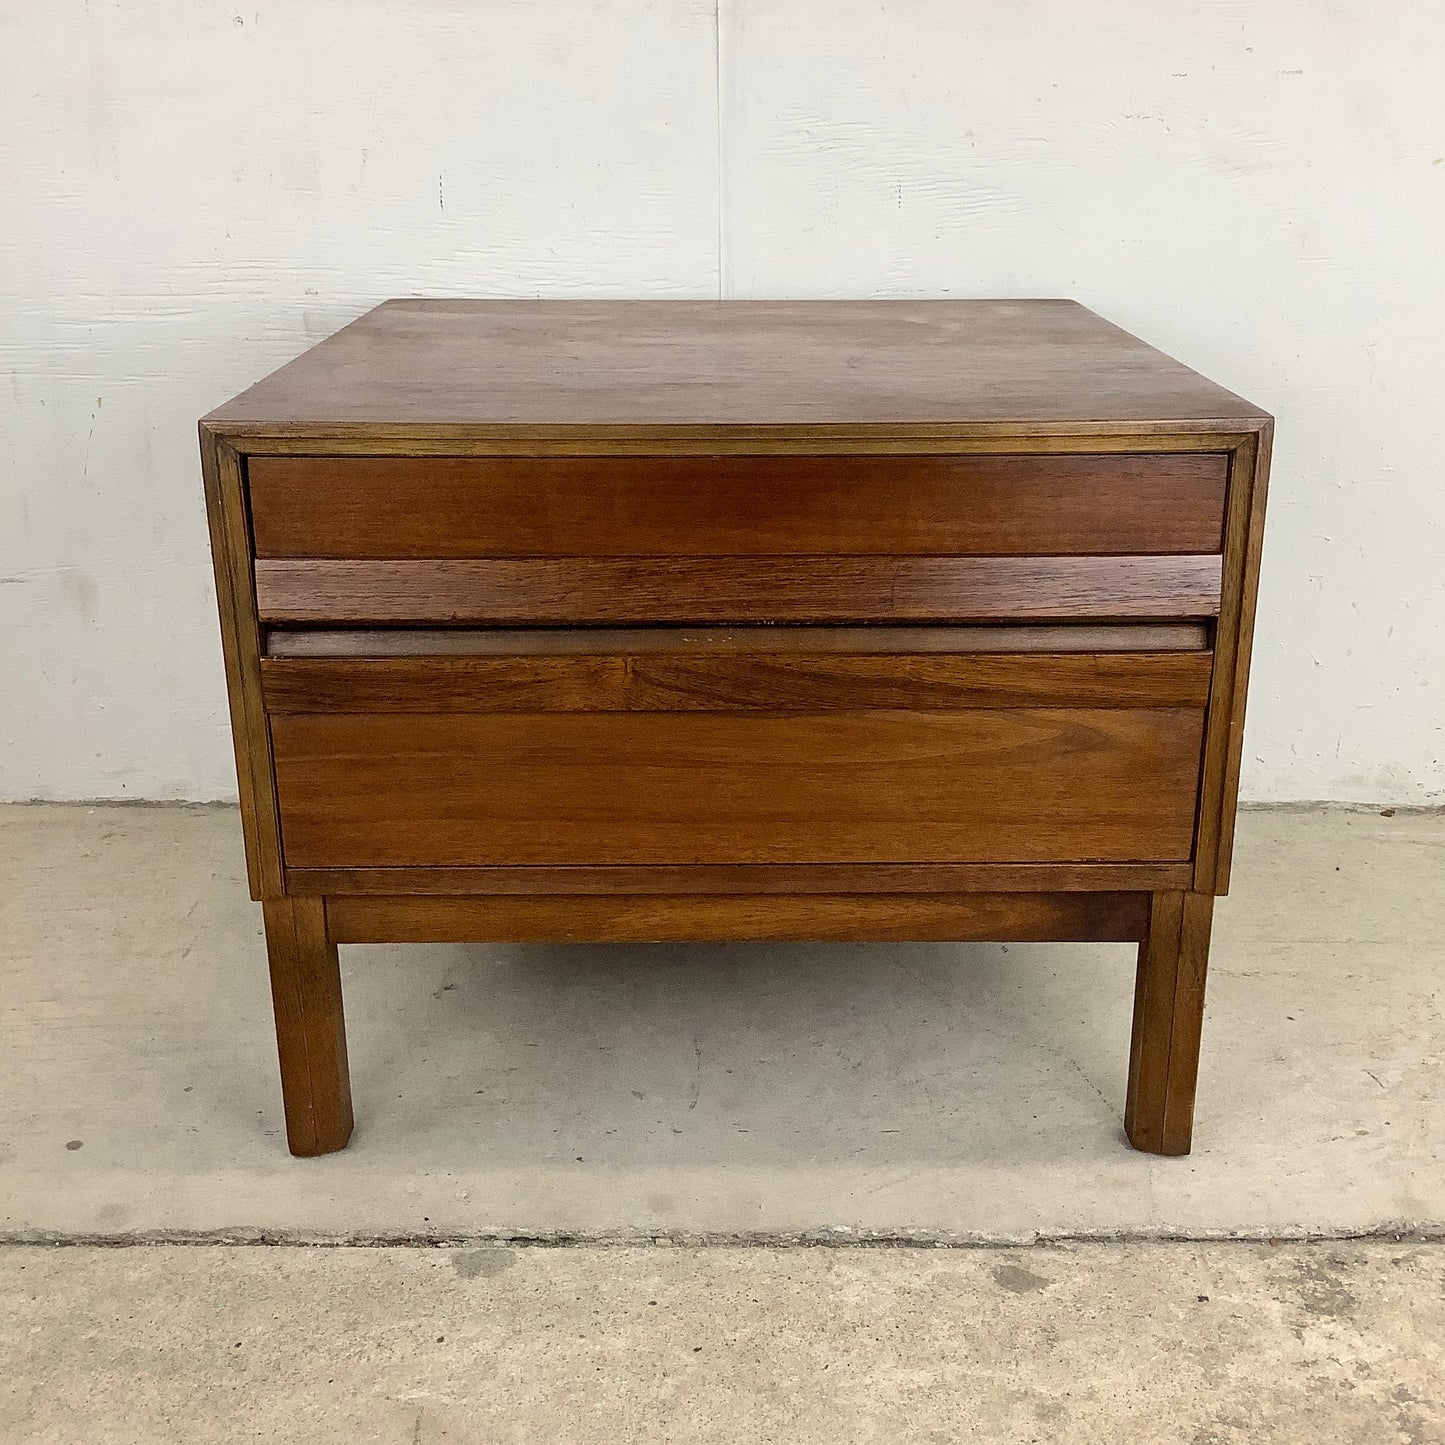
(1168,1012)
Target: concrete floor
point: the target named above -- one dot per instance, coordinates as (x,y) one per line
(940,1094)
(1094,1344)
(959,1093)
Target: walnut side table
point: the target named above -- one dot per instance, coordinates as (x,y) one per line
(629,621)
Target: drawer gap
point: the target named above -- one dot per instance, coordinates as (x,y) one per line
(761,638)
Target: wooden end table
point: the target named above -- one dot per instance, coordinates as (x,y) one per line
(636,621)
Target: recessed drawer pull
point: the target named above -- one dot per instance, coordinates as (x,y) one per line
(723,641)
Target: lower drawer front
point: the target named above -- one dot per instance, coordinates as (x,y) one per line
(1018,784)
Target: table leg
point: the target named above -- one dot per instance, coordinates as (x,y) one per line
(1168,1012)
(310,1028)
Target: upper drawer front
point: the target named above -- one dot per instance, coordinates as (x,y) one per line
(718,506)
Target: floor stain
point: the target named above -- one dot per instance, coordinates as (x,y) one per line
(1018,1280)
(483,1263)
(1321,1290)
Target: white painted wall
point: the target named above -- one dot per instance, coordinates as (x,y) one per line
(190,193)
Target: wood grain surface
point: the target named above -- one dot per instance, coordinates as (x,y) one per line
(686,681)
(241,645)
(419,507)
(748,878)
(682,918)
(737,589)
(310,1026)
(1224,738)
(460,789)
(1168,1018)
(730,364)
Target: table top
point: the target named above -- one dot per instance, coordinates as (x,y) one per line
(884,366)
